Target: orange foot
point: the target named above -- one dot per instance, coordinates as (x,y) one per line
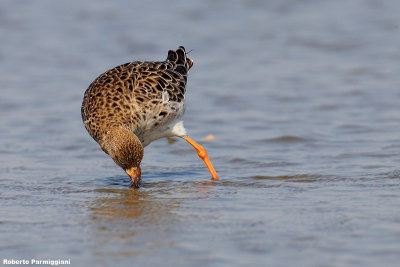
(203,155)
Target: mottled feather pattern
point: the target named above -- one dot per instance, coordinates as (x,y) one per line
(131,105)
(137,95)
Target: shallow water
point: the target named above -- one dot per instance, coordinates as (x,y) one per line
(302,97)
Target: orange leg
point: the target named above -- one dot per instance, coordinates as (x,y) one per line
(203,155)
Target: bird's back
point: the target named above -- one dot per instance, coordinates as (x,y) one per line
(140,96)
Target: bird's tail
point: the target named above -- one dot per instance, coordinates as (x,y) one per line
(178,57)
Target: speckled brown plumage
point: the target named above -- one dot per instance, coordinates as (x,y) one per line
(129,106)
(127,94)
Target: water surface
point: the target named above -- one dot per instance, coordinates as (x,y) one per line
(301,96)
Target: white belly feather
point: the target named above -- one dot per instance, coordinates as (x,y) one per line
(165,126)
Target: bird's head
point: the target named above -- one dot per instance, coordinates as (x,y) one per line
(126,150)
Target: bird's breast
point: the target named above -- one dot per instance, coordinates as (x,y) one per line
(162,123)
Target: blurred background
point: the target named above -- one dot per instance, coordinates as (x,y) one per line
(302,98)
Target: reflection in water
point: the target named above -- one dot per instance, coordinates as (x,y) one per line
(127,216)
(119,203)
(126,221)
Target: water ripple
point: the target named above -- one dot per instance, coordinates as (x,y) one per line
(286,139)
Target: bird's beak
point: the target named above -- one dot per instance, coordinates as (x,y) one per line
(135,173)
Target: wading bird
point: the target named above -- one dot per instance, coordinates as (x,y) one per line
(131,105)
